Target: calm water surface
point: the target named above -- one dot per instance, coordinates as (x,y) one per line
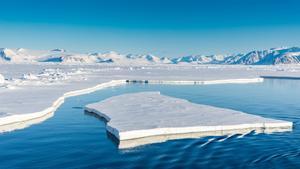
(72,139)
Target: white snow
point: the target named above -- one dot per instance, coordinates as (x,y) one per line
(145,114)
(29,77)
(45,84)
(37,81)
(2,79)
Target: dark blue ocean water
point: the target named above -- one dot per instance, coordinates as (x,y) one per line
(73,139)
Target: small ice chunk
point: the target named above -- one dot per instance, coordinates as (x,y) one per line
(29,76)
(2,79)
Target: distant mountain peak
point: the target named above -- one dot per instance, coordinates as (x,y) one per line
(272,56)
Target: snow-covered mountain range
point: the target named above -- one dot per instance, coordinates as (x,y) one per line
(265,57)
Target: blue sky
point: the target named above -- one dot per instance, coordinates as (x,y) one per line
(161,27)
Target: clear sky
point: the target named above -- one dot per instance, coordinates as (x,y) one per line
(161,27)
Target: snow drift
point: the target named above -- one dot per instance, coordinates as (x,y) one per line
(2,79)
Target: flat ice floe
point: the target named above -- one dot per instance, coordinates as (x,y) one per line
(150,114)
(30,91)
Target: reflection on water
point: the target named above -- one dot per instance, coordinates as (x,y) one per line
(71,139)
(124,144)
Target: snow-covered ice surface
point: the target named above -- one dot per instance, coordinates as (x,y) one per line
(145,114)
(31,91)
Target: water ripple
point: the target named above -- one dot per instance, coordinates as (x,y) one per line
(72,139)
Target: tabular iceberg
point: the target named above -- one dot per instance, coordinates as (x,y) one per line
(148,114)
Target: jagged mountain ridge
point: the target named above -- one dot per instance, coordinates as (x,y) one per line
(271,56)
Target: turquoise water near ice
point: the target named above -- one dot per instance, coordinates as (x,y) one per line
(73,139)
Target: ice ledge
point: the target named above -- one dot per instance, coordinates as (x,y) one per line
(199,82)
(9,122)
(19,121)
(148,114)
